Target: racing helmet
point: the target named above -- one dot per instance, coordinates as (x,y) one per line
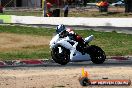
(60,28)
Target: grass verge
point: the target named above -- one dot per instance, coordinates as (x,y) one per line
(111,42)
(23,13)
(73,13)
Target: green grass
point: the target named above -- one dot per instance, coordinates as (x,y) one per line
(40,53)
(111,42)
(99,14)
(73,13)
(27,30)
(28,52)
(23,13)
(76,13)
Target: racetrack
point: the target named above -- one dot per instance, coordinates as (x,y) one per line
(52,75)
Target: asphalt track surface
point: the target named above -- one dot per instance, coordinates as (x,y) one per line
(53,75)
(53,65)
(96,28)
(127,30)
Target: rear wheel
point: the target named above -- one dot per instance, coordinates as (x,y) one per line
(97,54)
(62,57)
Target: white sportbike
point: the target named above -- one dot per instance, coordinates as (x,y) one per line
(64,50)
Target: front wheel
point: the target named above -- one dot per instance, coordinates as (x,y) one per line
(62,57)
(97,54)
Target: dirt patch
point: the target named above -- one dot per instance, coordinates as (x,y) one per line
(52,77)
(9,41)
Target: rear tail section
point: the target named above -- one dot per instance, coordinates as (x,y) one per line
(89,39)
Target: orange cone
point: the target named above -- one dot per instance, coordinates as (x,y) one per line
(84,73)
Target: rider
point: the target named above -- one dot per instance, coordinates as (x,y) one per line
(72,35)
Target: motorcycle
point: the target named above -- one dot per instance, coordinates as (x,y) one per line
(64,50)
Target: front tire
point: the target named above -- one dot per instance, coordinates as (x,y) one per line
(61,58)
(97,54)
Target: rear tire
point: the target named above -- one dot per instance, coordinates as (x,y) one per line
(97,54)
(61,58)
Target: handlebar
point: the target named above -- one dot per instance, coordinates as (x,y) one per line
(63,34)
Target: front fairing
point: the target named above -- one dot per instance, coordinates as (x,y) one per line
(54,40)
